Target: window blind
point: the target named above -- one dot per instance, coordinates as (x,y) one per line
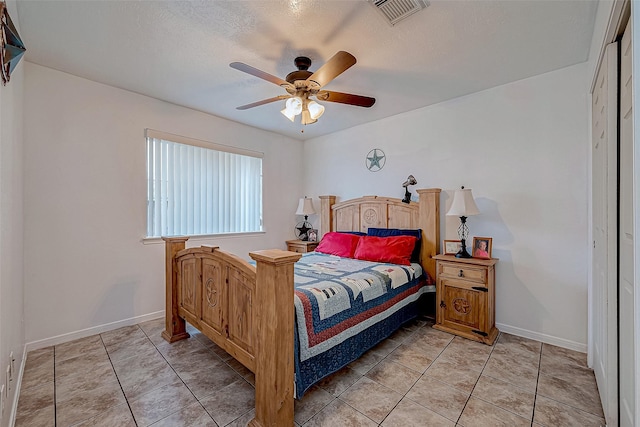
(193,190)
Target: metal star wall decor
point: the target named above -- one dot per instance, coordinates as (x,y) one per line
(375,160)
(11,46)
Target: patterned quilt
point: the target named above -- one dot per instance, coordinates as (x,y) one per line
(336,298)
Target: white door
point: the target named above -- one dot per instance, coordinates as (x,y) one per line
(626,256)
(604,108)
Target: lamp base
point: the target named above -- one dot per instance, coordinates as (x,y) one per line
(462,253)
(301,229)
(407,196)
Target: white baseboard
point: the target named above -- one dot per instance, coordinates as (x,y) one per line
(34,345)
(548,339)
(14,407)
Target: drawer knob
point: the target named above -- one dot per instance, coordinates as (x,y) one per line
(461,273)
(442,304)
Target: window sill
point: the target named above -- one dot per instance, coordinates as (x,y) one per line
(195,238)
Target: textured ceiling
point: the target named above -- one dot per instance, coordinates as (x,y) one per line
(179,51)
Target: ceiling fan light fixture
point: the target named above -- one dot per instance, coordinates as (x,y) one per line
(306,118)
(294,105)
(288,114)
(302,84)
(315,110)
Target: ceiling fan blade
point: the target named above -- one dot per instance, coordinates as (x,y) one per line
(261,74)
(264,101)
(346,98)
(335,66)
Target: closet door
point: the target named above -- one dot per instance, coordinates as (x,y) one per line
(626,239)
(604,108)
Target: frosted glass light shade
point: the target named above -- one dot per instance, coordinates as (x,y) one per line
(305,206)
(306,118)
(463,204)
(288,114)
(315,110)
(294,105)
(292,108)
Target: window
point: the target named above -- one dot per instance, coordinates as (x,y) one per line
(197,188)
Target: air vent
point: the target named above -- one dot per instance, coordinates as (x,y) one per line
(397,10)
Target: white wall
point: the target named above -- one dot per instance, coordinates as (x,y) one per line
(522,148)
(85,200)
(11,236)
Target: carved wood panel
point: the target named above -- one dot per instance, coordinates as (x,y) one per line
(213,294)
(347,219)
(373,215)
(240,290)
(463,306)
(188,285)
(402,217)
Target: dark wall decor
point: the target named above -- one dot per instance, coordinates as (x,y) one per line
(11,46)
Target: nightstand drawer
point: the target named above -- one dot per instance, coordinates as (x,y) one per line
(300,246)
(463,272)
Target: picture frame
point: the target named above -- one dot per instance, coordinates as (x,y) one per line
(482,247)
(312,235)
(451,247)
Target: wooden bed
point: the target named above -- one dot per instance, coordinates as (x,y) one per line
(238,306)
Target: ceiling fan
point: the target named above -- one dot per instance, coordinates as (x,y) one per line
(303,84)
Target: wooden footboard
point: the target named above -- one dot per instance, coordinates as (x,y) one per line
(246,310)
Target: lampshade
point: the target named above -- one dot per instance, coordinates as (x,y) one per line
(315,110)
(463,204)
(305,206)
(306,118)
(294,105)
(288,114)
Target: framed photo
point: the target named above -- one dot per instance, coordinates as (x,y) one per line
(451,247)
(312,235)
(482,247)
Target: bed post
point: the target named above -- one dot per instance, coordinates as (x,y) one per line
(429,220)
(326,214)
(274,317)
(174,326)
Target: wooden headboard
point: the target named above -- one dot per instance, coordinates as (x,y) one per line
(384,212)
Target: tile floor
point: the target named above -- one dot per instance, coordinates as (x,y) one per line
(418,377)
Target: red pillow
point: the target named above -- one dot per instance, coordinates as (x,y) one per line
(393,249)
(341,244)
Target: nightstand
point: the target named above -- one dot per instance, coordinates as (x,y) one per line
(301,246)
(465,297)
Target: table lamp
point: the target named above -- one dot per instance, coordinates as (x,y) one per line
(463,206)
(305,207)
